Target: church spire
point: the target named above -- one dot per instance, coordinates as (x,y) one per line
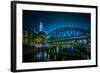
(41,26)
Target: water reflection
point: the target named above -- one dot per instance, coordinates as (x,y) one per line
(43,54)
(59,53)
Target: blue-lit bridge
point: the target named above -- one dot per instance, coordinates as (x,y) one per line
(68,43)
(69,36)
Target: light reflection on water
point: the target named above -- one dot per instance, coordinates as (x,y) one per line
(41,56)
(45,55)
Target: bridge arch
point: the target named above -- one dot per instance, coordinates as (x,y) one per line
(68,33)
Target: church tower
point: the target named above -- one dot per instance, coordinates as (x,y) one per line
(41,26)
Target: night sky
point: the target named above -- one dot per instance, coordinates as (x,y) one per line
(54,20)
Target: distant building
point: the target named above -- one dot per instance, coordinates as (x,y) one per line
(25,37)
(28,37)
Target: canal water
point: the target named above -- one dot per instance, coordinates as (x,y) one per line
(57,54)
(45,54)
